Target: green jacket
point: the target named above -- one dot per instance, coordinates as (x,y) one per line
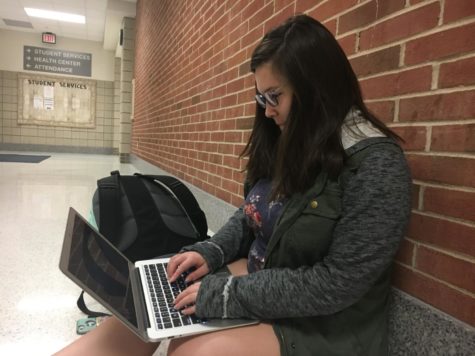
(360,329)
(326,282)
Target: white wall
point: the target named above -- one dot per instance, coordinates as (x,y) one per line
(12,42)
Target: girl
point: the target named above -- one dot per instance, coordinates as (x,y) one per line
(327,203)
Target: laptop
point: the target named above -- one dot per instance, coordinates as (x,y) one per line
(139,294)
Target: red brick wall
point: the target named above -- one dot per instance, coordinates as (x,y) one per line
(416,62)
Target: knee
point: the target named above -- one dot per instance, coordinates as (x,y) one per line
(179,347)
(188,346)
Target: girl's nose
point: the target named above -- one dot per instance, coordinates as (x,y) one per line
(270,111)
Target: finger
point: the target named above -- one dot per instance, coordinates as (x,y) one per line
(181,268)
(173,263)
(186,301)
(181,265)
(190,290)
(189,310)
(188,296)
(198,273)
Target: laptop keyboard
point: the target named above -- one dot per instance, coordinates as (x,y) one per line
(163,294)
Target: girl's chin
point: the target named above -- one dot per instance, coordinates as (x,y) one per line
(278,123)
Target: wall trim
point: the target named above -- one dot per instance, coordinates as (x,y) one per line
(54,148)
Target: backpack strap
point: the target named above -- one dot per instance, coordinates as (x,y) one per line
(186,199)
(82,307)
(109,206)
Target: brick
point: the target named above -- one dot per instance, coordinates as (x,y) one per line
(348,44)
(328,9)
(222,194)
(225,149)
(215,158)
(386,8)
(451,269)
(440,45)
(458,9)
(232,49)
(376,62)
(457,73)
(210,147)
(246,96)
(405,252)
(245,68)
(453,203)
(244,123)
(235,86)
(236,200)
(384,110)
(234,112)
(229,100)
(230,186)
(240,176)
(252,37)
(404,82)
(400,27)
(367,13)
(214,180)
(219,91)
(250,109)
(414,137)
(232,161)
(451,106)
(305,5)
(237,151)
(232,136)
(237,59)
(251,8)
(443,297)
(359,17)
(330,25)
(281,14)
(446,234)
(261,16)
(281,4)
(415,196)
(237,29)
(439,169)
(453,138)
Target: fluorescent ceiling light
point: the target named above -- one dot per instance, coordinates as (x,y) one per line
(55,15)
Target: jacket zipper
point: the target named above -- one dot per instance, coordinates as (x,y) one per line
(281,334)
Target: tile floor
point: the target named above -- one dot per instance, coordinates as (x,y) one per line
(38,303)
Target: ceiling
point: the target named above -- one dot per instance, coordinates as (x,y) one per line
(103,18)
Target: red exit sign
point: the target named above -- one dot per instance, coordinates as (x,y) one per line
(48,37)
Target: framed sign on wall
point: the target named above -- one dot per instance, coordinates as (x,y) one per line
(56,101)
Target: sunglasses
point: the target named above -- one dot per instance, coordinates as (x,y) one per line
(270,98)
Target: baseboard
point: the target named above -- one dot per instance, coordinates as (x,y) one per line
(54,148)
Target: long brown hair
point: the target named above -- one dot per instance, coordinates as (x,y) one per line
(325,88)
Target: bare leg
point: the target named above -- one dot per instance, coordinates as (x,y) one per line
(258,340)
(110,338)
(254,340)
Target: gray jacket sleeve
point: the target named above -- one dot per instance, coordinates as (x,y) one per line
(225,246)
(376,208)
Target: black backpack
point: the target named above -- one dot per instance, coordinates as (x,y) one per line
(146,216)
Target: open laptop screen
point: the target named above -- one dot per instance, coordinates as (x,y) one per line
(97,266)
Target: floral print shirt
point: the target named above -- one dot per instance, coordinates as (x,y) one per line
(261,216)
